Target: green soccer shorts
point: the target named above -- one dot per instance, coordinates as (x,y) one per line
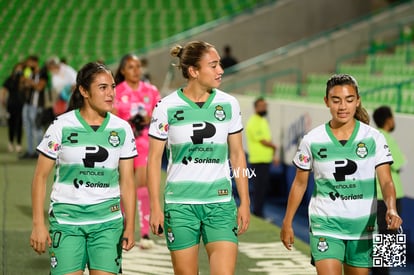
(356,253)
(74,246)
(185,224)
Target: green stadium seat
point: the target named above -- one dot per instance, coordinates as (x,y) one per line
(73,29)
(167,4)
(356,70)
(284,90)
(407,105)
(186,19)
(318,78)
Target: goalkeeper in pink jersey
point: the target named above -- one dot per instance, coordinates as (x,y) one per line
(134,102)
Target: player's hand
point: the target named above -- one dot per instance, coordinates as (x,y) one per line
(243,218)
(394,221)
(40,239)
(287,236)
(157,223)
(128,240)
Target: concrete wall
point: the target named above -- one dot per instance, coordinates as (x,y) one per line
(263,30)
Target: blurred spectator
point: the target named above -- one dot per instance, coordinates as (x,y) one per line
(63,80)
(12,99)
(34,83)
(228,60)
(261,153)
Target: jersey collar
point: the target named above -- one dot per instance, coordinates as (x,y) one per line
(87,126)
(351,138)
(193,104)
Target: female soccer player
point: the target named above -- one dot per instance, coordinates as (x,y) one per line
(135,99)
(201,127)
(344,154)
(92,152)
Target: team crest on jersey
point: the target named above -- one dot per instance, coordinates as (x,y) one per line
(323,245)
(114,139)
(219,113)
(362,150)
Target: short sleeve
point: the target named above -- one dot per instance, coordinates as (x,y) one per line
(303,156)
(129,150)
(159,122)
(236,124)
(52,141)
(383,153)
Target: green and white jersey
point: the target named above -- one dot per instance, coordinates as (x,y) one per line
(86,183)
(343,203)
(198,167)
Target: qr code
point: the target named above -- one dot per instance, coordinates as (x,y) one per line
(389,250)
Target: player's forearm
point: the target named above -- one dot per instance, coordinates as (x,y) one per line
(242,186)
(38,199)
(154,179)
(295,198)
(241,175)
(388,193)
(129,202)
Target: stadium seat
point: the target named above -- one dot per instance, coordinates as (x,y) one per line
(285,90)
(112,28)
(380,79)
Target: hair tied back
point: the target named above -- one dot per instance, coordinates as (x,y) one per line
(179,51)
